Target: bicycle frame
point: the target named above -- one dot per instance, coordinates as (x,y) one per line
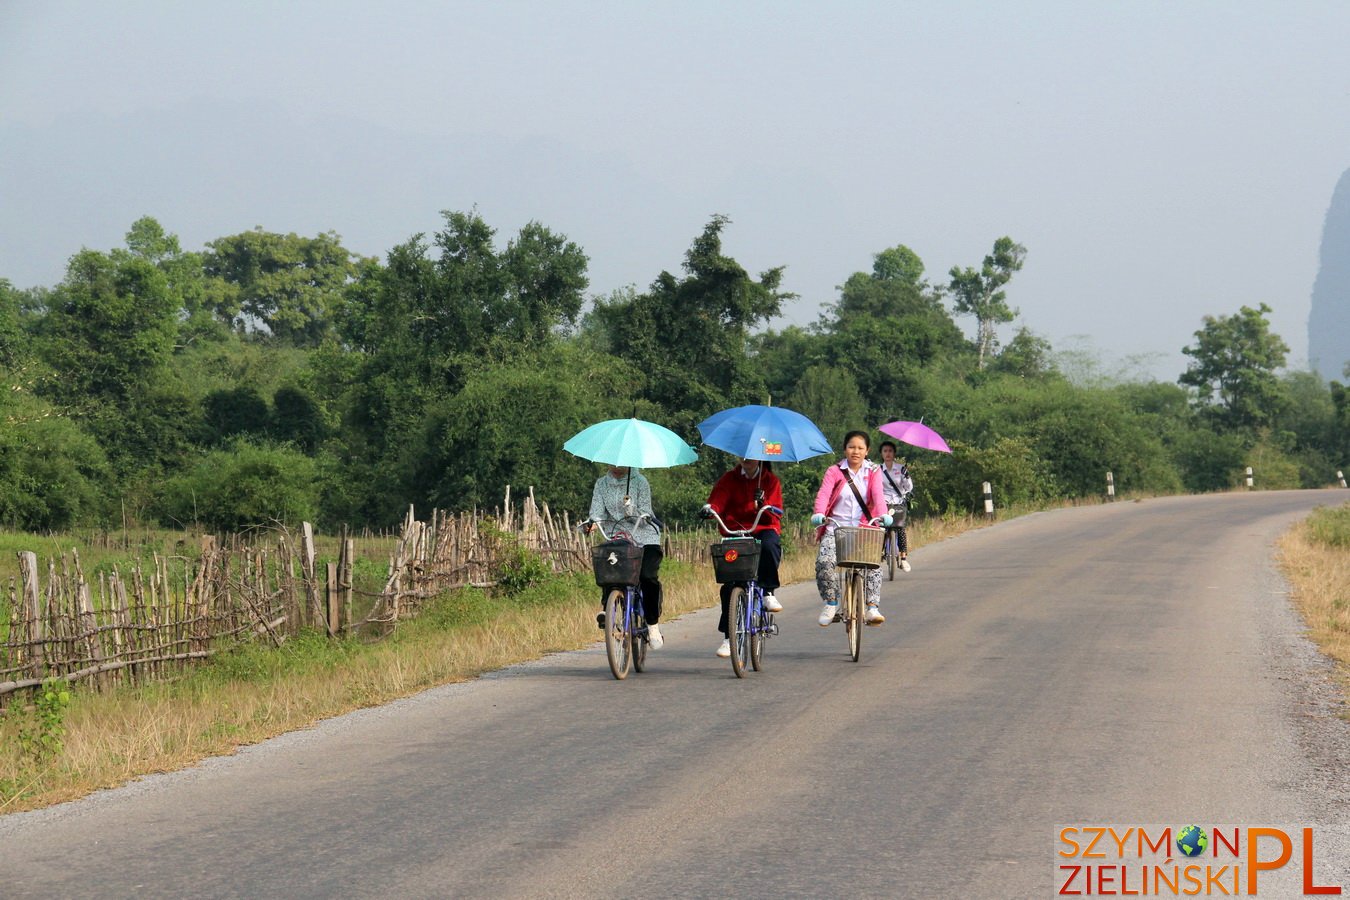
(852,584)
(748,622)
(626,635)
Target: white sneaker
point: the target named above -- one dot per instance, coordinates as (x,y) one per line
(654,639)
(827,614)
(724,650)
(771,603)
(873,616)
(904,564)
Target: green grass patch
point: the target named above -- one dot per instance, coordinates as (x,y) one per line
(1330,526)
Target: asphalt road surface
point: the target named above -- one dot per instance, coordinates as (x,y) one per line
(1131,664)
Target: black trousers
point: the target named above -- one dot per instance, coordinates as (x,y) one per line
(770,555)
(650,583)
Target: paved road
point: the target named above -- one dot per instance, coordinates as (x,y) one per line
(1133,664)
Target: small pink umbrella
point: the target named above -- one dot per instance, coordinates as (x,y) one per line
(916,434)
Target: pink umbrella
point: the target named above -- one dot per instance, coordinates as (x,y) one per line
(916,434)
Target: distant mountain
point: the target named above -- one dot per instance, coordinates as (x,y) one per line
(1329,320)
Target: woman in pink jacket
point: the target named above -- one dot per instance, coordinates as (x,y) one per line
(850,494)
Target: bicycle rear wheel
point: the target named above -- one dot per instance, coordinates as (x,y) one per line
(759,618)
(740,635)
(853,612)
(618,640)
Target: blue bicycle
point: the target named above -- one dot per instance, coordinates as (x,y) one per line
(617,562)
(736,562)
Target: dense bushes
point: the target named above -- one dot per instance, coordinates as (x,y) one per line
(275,378)
(243,486)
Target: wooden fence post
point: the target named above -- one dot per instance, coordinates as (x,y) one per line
(311,613)
(32,614)
(334,601)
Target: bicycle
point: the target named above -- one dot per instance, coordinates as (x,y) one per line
(736,562)
(857,549)
(617,562)
(891,546)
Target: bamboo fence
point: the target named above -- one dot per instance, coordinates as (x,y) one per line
(148,620)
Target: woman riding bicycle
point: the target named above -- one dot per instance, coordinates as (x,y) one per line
(621,497)
(896,485)
(738,497)
(850,494)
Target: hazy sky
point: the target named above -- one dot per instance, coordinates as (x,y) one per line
(1160,160)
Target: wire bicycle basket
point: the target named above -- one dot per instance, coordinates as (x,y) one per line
(858,547)
(617,563)
(735,560)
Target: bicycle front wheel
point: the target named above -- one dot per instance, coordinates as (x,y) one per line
(618,640)
(759,623)
(853,612)
(892,553)
(639,637)
(740,634)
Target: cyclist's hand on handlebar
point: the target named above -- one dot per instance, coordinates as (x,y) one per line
(818,519)
(887,520)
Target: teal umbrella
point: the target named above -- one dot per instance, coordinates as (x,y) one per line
(631,442)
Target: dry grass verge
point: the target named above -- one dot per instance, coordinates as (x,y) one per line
(1315,557)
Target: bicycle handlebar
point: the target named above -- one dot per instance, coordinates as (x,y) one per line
(874,522)
(740,532)
(585,526)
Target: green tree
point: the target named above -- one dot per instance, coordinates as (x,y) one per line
(11,332)
(286,282)
(235,411)
(545,285)
(52,475)
(1027,355)
(243,486)
(201,298)
(981,294)
(829,396)
(1233,366)
(508,424)
(297,418)
(691,334)
(888,326)
(109,330)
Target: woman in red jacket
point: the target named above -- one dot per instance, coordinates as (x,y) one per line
(738,496)
(850,494)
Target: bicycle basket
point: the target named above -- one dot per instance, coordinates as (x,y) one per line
(616,563)
(858,547)
(735,560)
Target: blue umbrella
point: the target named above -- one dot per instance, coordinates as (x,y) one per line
(631,442)
(764,432)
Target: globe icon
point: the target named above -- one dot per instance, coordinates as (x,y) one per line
(1192,840)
